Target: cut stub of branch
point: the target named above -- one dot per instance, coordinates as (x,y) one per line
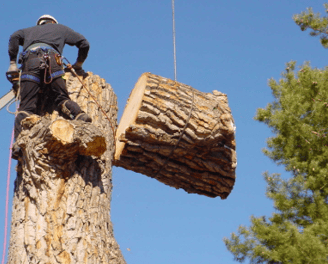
(178,135)
(61,138)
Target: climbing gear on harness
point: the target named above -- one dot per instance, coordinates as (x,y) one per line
(58,59)
(43,19)
(45,53)
(46,63)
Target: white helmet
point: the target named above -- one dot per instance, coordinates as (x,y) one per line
(43,19)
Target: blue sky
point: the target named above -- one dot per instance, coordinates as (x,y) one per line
(230,46)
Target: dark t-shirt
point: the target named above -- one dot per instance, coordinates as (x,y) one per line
(55,35)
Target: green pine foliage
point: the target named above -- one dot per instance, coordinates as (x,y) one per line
(297,231)
(318,25)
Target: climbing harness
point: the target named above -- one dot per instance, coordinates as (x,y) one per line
(45,53)
(58,59)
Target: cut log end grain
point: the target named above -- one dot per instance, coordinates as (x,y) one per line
(178,135)
(63,131)
(131,111)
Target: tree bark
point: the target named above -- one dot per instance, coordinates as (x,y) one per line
(178,135)
(62,193)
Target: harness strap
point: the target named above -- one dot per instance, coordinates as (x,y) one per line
(30,77)
(38,46)
(57,73)
(42,46)
(33,78)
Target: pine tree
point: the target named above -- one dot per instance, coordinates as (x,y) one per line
(318,24)
(297,231)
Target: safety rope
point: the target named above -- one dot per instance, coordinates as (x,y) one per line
(9,105)
(7,200)
(174,46)
(69,66)
(17,95)
(180,137)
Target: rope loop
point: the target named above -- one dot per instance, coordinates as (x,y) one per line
(180,137)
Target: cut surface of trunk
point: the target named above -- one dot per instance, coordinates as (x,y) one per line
(178,135)
(61,204)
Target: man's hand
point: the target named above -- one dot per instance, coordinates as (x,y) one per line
(77,66)
(13,67)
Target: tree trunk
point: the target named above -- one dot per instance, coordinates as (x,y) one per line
(63,188)
(179,136)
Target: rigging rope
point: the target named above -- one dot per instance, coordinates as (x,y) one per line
(70,67)
(174,46)
(181,134)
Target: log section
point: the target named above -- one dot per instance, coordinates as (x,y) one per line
(178,135)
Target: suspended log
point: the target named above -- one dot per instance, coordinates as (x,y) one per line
(178,135)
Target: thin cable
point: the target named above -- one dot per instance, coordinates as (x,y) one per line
(7,200)
(174,46)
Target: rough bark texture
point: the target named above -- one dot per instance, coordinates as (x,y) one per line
(203,161)
(63,188)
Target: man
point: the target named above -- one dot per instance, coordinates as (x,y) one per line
(42,68)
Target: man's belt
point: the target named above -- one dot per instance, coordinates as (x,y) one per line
(45,47)
(36,79)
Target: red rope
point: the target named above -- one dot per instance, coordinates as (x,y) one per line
(7,200)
